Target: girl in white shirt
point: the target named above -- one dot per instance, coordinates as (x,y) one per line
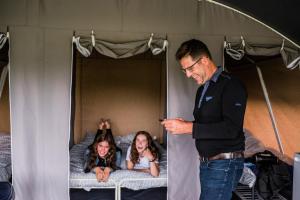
(142,155)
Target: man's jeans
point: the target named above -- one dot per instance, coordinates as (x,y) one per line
(219,178)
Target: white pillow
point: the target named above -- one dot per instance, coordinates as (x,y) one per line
(89,138)
(124,139)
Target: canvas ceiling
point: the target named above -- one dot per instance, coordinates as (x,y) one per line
(40,77)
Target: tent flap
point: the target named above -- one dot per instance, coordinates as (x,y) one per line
(3,39)
(237,49)
(85,45)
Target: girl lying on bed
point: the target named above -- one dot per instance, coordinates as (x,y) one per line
(142,155)
(102,153)
(105,124)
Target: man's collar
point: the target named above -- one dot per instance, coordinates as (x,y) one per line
(216,75)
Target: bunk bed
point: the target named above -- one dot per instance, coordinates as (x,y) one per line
(123,183)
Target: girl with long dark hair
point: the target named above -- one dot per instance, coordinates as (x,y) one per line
(102,153)
(142,155)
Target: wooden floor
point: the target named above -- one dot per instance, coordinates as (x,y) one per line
(283,87)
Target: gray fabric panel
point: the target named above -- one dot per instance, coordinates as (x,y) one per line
(291,57)
(258,51)
(203,18)
(33,11)
(118,36)
(25,81)
(289,54)
(40,80)
(13,12)
(161,16)
(169,16)
(102,14)
(56,106)
(183,162)
(2,28)
(121,50)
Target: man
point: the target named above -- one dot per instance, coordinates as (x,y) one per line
(218,127)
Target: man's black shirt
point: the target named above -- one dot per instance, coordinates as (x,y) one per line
(219,117)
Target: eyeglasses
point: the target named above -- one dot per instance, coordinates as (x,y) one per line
(190,68)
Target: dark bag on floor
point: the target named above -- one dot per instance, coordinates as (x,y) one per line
(273,176)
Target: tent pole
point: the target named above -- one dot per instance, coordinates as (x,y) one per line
(266,95)
(274,123)
(223,55)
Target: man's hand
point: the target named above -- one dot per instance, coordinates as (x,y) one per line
(178,126)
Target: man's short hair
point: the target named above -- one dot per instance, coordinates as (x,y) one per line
(194,48)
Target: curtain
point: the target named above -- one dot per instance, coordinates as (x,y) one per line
(40,74)
(85,46)
(237,49)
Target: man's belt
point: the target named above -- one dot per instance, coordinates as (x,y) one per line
(222,156)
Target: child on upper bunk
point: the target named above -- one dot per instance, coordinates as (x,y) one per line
(142,155)
(102,153)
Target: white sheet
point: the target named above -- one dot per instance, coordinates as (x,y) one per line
(5,157)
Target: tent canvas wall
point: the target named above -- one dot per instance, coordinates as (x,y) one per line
(40,77)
